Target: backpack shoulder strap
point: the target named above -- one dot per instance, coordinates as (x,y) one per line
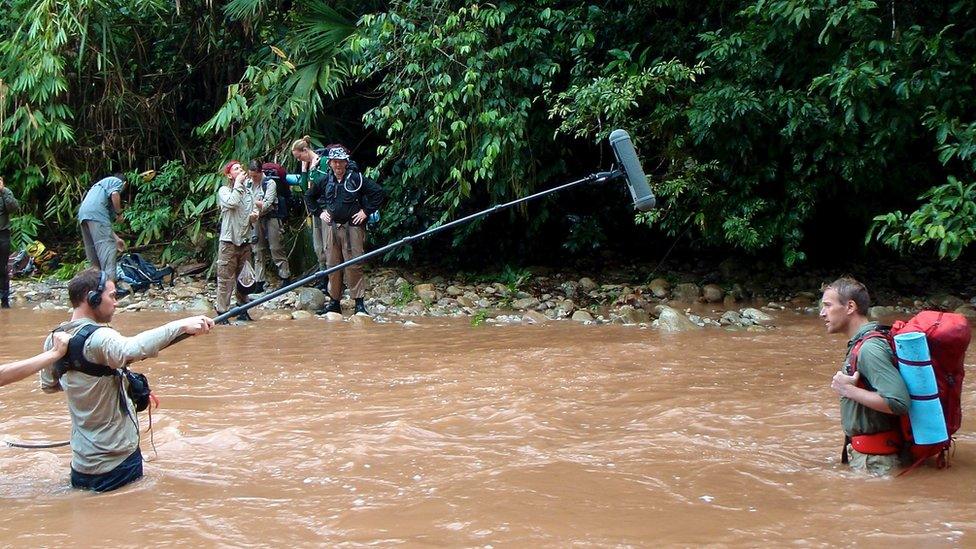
(883,332)
(75,359)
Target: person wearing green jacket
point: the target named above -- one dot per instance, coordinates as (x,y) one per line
(873,395)
(313,173)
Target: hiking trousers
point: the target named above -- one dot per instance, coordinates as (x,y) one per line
(4,273)
(318,241)
(126,472)
(99,240)
(875,465)
(271,236)
(230,262)
(342,243)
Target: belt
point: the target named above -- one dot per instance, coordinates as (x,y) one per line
(878,444)
(347,224)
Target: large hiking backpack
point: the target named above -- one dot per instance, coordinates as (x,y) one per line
(141,274)
(947,335)
(278,173)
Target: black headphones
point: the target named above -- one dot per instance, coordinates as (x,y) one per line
(95,296)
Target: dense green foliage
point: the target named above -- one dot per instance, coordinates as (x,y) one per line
(94,86)
(283,91)
(804,109)
(780,126)
(459,108)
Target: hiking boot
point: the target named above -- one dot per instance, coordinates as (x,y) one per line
(333,307)
(121,292)
(284,282)
(361,307)
(244,317)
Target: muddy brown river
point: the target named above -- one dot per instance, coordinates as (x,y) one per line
(309,433)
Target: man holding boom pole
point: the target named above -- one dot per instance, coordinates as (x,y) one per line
(99,389)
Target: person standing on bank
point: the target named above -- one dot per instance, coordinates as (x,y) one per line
(269,230)
(344,204)
(104,428)
(100,208)
(872,392)
(237,214)
(313,176)
(8,206)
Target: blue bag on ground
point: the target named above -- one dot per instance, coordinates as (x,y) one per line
(141,274)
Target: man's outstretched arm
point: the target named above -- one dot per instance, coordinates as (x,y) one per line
(115,350)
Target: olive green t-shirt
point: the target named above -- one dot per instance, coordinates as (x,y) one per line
(313,176)
(880,375)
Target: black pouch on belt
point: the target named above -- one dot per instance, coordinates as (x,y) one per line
(139,390)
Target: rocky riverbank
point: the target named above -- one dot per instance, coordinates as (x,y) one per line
(535,296)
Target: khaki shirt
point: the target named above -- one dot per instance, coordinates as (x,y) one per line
(236,205)
(102,436)
(269,196)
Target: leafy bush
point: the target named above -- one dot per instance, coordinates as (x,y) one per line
(513,278)
(945,220)
(479,317)
(23,231)
(788,112)
(458,86)
(173,207)
(405,294)
(67,271)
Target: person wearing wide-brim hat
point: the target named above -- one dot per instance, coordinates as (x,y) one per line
(344,204)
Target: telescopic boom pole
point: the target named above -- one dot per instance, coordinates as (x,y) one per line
(593,178)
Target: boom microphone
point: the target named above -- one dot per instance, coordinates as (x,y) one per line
(623,149)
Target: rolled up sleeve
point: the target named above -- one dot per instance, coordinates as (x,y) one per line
(108,347)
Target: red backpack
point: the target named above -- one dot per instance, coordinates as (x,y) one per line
(947,335)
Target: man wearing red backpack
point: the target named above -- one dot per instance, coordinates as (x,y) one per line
(872,393)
